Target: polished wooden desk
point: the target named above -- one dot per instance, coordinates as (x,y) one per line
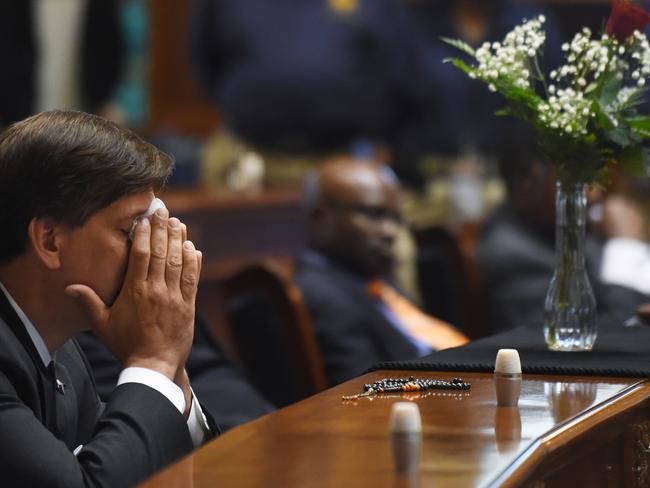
(567,431)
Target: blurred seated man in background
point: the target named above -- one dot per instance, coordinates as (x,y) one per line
(72,188)
(222,387)
(345,275)
(516,249)
(624,258)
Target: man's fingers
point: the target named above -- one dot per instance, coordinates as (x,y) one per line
(183,232)
(158,259)
(174,254)
(95,307)
(140,248)
(190,275)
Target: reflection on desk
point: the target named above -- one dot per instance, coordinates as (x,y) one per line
(565,431)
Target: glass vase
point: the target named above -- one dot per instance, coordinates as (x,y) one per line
(570,322)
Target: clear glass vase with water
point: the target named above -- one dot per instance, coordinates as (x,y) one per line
(570,321)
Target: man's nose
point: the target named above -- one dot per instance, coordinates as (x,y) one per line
(389,228)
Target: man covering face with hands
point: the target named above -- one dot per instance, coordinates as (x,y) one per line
(71,186)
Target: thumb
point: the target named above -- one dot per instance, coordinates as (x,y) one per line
(96,308)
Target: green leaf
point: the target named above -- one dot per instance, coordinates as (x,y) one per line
(623,136)
(603,119)
(502,112)
(645,157)
(461,45)
(610,86)
(635,160)
(523,101)
(460,64)
(641,124)
(635,99)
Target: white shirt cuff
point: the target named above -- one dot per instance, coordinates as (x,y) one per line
(196,422)
(155,380)
(626,262)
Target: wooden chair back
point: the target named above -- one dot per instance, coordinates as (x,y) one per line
(272,334)
(448,277)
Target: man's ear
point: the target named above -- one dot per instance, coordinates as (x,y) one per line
(321,226)
(45,237)
(317,213)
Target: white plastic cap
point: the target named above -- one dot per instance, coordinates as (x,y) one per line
(405,418)
(507,362)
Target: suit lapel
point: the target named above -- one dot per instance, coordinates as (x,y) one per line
(395,344)
(65,401)
(45,378)
(386,336)
(11,318)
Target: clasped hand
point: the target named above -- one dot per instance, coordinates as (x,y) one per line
(151,323)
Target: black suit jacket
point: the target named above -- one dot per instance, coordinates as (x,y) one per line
(126,440)
(351,331)
(218,384)
(516,263)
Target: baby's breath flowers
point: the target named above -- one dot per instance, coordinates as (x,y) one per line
(585,112)
(510,59)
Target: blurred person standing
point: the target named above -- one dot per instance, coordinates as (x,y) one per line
(63,54)
(466,106)
(298,81)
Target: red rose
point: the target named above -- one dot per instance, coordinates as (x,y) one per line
(625,19)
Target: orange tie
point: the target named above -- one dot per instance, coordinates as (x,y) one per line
(427,329)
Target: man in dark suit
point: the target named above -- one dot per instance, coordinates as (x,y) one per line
(516,248)
(359,319)
(72,186)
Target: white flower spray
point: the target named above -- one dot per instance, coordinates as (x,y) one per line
(585,111)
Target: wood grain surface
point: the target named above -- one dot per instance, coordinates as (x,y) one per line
(466,440)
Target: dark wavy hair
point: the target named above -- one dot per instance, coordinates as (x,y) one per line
(66,166)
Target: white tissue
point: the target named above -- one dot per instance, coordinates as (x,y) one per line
(155,204)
